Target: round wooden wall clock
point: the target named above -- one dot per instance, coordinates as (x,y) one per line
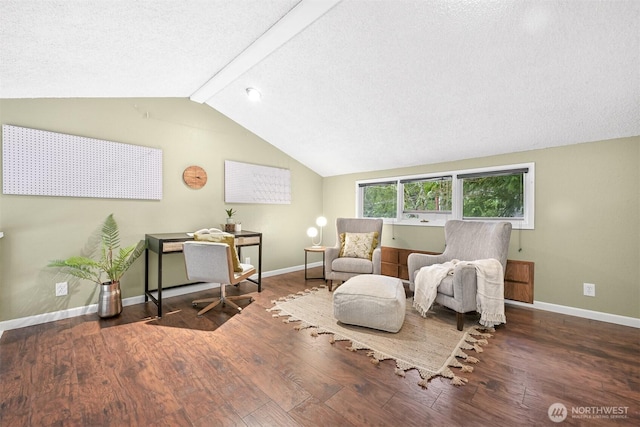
(195,177)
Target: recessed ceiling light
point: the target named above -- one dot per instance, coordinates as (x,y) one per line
(253,94)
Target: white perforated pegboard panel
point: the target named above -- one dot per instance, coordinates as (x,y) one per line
(42,163)
(247,183)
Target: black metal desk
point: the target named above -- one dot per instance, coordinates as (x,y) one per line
(164,243)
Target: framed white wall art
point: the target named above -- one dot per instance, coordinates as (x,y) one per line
(248,183)
(43,163)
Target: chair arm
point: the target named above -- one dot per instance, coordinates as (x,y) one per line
(330,254)
(376,259)
(416,261)
(465,286)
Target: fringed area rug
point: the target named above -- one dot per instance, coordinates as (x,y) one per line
(430,345)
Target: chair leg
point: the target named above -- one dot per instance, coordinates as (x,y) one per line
(330,282)
(198,301)
(232,304)
(229,300)
(460,320)
(223,298)
(209,307)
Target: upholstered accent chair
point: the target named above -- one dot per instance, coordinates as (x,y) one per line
(350,256)
(465,241)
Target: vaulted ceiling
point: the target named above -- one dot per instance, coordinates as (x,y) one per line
(353,85)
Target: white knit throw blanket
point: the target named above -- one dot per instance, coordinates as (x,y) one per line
(426,284)
(490,292)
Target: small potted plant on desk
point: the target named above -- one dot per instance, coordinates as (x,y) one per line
(113,263)
(230,226)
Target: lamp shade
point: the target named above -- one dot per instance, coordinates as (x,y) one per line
(312,232)
(321,221)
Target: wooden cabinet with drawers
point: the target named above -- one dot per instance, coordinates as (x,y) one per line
(518,278)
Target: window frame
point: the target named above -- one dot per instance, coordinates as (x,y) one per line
(438,219)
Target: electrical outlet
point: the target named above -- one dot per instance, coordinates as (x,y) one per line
(61,289)
(589,289)
(247,260)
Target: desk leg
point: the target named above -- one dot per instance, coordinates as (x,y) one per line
(146,275)
(260,265)
(160,284)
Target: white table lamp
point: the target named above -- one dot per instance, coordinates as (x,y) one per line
(313,232)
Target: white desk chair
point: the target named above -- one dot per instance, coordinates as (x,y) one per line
(212,262)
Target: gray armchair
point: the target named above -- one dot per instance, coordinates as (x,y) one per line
(343,268)
(465,241)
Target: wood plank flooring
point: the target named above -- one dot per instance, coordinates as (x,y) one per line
(251,369)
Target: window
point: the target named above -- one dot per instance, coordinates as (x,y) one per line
(499,193)
(426,195)
(379,200)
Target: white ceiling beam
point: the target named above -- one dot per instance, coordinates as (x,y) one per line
(300,17)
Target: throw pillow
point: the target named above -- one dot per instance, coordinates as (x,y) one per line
(227,238)
(358,245)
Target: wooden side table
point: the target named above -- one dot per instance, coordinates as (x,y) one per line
(315,249)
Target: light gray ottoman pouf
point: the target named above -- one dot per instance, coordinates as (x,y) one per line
(372,301)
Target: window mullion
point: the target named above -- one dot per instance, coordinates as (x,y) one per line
(456,194)
(399,201)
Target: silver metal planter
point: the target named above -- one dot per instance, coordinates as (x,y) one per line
(109,299)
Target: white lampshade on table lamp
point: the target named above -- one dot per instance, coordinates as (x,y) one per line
(313,232)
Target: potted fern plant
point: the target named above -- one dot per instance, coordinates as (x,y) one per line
(112,264)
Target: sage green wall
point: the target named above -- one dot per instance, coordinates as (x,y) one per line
(587,221)
(587,206)
(38,229)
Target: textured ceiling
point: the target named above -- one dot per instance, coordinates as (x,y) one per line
(353,85)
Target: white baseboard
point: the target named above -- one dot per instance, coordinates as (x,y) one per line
(181,290)
(580,312)
(93,308)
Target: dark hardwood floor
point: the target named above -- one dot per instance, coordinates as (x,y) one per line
(251,369)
